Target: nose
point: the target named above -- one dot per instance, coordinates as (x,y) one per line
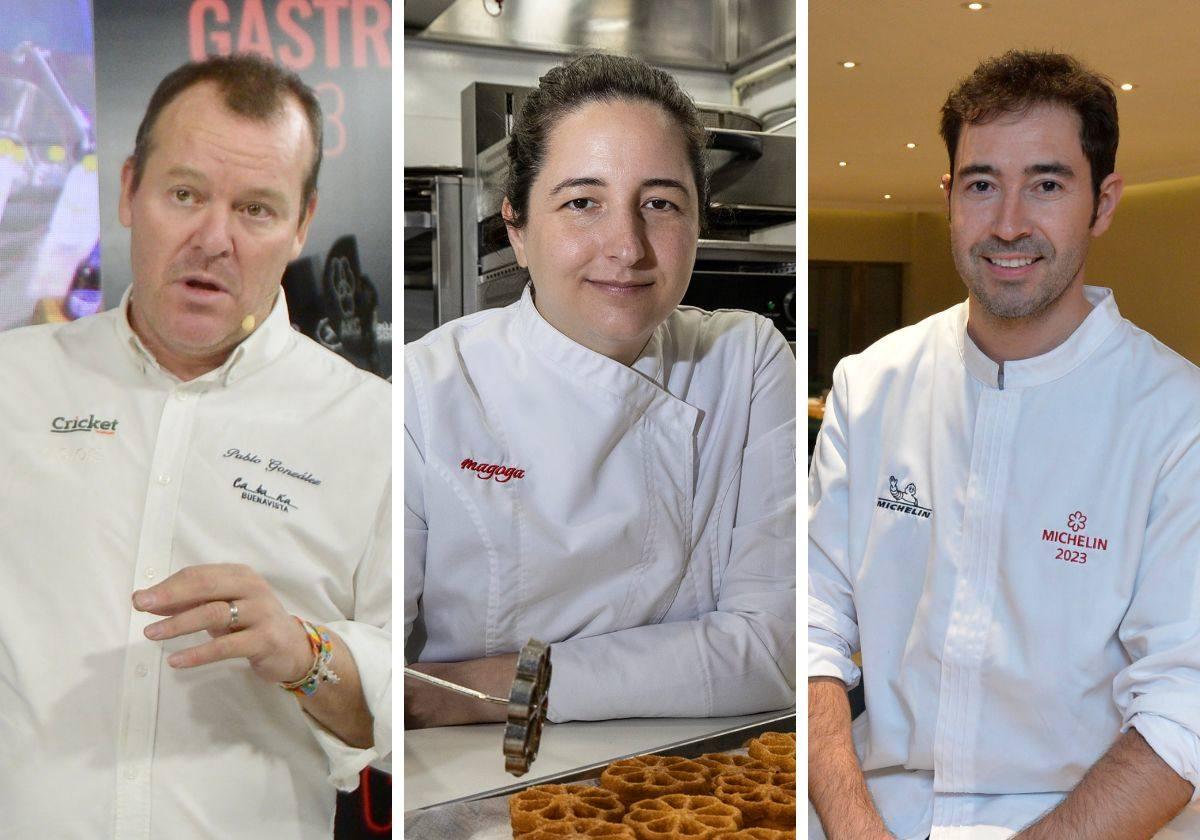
(213,235)
(1012,220)
(625,241)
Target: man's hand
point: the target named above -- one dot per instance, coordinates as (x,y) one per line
(200,598)
(427,705)
(272,641)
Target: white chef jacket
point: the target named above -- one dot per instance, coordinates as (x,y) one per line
(641,519)
(114,475)
(1014,552)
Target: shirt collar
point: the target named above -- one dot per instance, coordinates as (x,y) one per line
(1038,370)
(255,352)
(546,338)
(638,387)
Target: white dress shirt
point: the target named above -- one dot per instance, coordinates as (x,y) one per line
(114,475)
(1014,551)
(640,519)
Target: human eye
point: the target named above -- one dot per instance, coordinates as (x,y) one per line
(661,204)
(979,187)
(183,195)
(580,204)
(257,210)
(1049,187)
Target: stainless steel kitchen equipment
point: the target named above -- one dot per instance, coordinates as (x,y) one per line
(432,248)
(723,35)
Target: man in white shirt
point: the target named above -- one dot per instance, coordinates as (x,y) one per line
(194,507)
(1003,517)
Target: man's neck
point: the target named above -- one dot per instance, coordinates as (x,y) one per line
(1010,339)
(184,367)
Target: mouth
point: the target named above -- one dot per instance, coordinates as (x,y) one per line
(1012,262)
(619,287)
(1011,267)
(204,285)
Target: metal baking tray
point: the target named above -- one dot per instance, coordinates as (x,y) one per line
(721,741)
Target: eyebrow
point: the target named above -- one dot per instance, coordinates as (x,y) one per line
(1033,169)
(570,183)
(1050,169)
(187,172)
(670,183)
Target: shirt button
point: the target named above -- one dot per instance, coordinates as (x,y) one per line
(141,670)
(164,479)
(131,773)
(150,573)
(182,396)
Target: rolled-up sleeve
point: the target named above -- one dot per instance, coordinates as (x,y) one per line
(832,619)
(739,658)
(368,636)
(1158,693)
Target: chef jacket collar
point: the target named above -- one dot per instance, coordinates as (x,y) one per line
(640,384)
(255,352)
(1038,370)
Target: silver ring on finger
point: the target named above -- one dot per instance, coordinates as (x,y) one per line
(233,616)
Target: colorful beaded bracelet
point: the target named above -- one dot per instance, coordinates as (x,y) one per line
(322,648)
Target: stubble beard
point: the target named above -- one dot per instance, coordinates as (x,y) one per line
(1010,305)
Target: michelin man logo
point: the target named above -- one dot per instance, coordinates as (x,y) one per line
(903,499)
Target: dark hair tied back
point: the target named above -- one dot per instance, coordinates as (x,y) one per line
(596,77)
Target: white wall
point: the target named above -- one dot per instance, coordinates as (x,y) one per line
(435,75)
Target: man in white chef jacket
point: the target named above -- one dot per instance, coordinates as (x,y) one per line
(194,500)
(1005,512)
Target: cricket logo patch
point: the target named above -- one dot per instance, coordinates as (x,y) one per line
(68,425)
(903,498)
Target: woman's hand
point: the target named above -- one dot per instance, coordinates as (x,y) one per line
(426,705)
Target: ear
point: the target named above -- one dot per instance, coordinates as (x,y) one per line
(1106,205)
(946,184)
(125,202)
(516,235)
(302,229)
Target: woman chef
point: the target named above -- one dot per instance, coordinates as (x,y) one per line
(594,466)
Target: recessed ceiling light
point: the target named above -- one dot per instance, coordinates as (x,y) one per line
(849,65)
(975,7)
(910,145)
(841,163)
(887,195)
(1128,86)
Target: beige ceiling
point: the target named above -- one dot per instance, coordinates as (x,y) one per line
(911,52)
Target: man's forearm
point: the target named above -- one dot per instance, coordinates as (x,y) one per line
(836,786)
(1129,794)
(341,707)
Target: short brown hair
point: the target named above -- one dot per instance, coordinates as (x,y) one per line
(596,77)
(1018,80)
(253,87)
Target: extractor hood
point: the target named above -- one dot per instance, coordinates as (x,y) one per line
(720,35)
